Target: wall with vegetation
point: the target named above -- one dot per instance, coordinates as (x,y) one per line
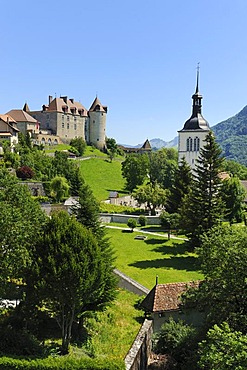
(123,219)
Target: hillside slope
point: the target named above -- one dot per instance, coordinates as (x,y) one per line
(231,134)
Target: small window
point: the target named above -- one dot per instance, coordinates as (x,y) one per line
(75,126)
(68,126)
(75,119)
(67,118)
(62,124)
(189,144)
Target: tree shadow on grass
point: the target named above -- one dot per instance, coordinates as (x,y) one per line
(155,241)
(188,263)
(174,249)
(121,191)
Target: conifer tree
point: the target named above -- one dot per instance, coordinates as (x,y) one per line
(203,207)
(181,186)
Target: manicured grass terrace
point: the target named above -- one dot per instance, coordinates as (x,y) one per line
(143,260)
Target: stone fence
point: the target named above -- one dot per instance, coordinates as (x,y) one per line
(138,355)
(123,219)
(129,284)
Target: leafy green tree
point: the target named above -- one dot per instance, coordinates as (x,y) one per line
(152,195)
(79,144)
(71,272)
(180,188)
(21,221)
(223,349)
(132,223)
(162,166)
(233,195)
(112,148)
(142,220)
(135,170)
(236,169)
(169,221)
(59,188)
(203,207)
(222,294)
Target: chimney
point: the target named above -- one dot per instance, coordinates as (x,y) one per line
(65,99)
(72,100)
(50,99)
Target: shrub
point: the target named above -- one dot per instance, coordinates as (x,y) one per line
(132,223)
(24,173)
(176,339)
(142,220)
(20,343)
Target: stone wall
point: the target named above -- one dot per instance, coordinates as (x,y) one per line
(137,357)
(123,219)
(129,284)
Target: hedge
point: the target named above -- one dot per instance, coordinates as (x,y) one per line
(61,363)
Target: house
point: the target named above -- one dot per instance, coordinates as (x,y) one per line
(25,122)
(67,119)
(8,130)
(164,301)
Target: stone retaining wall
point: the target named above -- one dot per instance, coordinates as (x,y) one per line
(129,284)
(123,219)
(137,357)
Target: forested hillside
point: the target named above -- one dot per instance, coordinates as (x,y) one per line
(231,134)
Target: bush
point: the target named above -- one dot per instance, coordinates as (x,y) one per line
(132,223)
(63,363)
(24,173)
(142,220)
(176,339)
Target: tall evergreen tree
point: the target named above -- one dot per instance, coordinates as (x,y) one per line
(233,194)
(181,186)
(203,207)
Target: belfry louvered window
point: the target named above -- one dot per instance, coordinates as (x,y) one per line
(189,144)
(196,144)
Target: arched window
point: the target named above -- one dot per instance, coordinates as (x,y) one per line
(196,144)
(189,144)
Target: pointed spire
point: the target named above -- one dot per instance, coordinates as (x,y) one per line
(197,78)
(26,108)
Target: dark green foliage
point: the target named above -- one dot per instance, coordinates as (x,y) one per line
(59,188)
(222,294)
(169,221)
(203,207)
(150,194)
(62,363)
(72,273)
(18,342)
(79,144)
(142,220)
(162,167)
(134,170)
(180,188)
(25,173)
(233,195)
(223,349)
(232,137)
(112,148)
(131,223)
(176,339)
(235,169)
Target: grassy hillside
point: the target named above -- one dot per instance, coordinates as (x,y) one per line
(102,176)
(144,260)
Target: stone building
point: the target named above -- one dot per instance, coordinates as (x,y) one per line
(67,119)
(194,132)
(25,122)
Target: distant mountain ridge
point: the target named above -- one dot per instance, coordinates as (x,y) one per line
(231,134)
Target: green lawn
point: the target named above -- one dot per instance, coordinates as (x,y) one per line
(102,176)
(144,260)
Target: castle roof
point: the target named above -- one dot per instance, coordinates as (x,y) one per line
(146,145)
(6,118)
(65,105)
(97,106)
(166,297)
(21,116)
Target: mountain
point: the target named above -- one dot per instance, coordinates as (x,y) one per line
(231,134)
(159,143)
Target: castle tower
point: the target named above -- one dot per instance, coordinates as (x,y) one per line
(195,130)
(97,124)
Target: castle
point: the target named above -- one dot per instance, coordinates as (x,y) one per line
(61,120)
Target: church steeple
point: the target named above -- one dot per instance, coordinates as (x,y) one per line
(196,121)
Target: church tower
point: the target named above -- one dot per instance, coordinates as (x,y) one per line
(195,130)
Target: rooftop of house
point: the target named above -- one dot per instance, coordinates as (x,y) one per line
(166,297)
(20,115)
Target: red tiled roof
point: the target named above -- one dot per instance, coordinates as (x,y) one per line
(21,116)
(166,297)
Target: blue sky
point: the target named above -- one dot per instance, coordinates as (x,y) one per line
(139,57)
